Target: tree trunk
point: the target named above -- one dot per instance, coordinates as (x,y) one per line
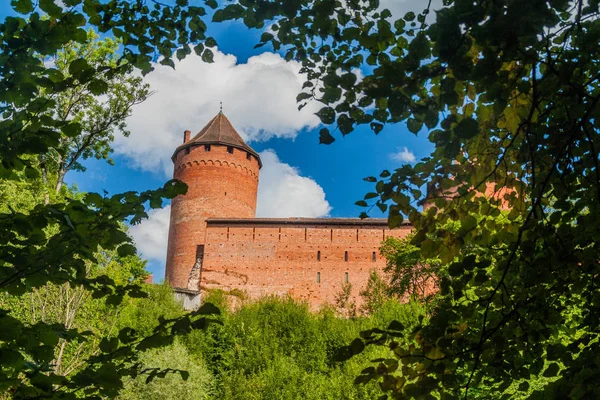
(45,180)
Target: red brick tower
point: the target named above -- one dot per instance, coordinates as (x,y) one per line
(221,172)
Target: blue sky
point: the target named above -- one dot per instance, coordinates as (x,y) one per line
(258,90)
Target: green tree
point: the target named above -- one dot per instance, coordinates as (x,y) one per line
(100,106)
(410,274)
(375,294)
(508,94)
(172,386)
(55,241)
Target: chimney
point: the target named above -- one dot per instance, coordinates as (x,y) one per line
(186,136)
(149,279)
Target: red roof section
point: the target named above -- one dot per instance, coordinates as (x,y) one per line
(219,131)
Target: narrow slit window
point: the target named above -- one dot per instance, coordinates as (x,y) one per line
(346,256)
(230,149)
(319,255)
(374,256)
(318,277)
(346,277)
(248,156)
(207,147)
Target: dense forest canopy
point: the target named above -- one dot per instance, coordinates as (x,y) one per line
(508,93)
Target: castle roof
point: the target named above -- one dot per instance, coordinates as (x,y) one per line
(351,222)
(219,131)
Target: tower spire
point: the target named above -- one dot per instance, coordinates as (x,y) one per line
(221,107)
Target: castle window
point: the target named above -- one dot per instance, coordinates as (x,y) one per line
(346,256)
(207,147)
(230,149)
(318,277)
(319,255)
(374,256)
(187,150)
(346,278)
(248,156)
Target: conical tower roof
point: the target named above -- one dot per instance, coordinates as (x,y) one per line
(219,131)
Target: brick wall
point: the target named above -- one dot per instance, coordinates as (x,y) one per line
(220,184)
(263,257)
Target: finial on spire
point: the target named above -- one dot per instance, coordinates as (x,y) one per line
(221,110)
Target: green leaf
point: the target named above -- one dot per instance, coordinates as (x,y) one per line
(361,203)
(467,128)
(345,124)
(211,3)
(208,309)
(76,67)
(50,7)
(98,87)
(409,16)
(327,115)
(325,137)
(108,345)
(414,126)
(184,375)
(22,6)
(396,326)
(552,370)
(371,195)
(207,56)
(394,221)
(456,269)
(72,129)
(357,346)
(210,42)
(303,96)
(126,249)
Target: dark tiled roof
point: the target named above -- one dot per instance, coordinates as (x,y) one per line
(367,222)
(219,131)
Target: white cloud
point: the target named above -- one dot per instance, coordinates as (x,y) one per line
(151,234)
(403,155)
(283,192)
(259,97)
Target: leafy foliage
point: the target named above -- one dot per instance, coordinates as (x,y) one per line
(53,115)
(508,93)
(277,349)
(100,106)
(410,274)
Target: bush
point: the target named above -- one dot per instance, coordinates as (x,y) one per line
(198,386)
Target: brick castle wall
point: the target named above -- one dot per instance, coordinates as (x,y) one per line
(307,261)
(220,184)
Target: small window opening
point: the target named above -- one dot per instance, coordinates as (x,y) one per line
(318,277)
(346,278)
(319,255)
(187,150)
(374,256)
(207,147)
(230,149)
(248,156)
(346,256)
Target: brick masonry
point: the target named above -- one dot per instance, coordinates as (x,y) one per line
(309,259)
(306,259)
(220,184)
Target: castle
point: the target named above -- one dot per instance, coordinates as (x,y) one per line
(215,241)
